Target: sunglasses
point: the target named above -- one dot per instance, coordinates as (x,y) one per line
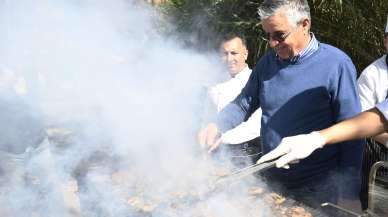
(276,36)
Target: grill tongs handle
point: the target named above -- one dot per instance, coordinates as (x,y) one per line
(241,173)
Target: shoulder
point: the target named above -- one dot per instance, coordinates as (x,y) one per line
(221,86)
(217,85)
(376,67)
(265,61)
(269,56)
(375,73)
(333,53)
(336,61)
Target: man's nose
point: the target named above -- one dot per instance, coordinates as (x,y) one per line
(229,57)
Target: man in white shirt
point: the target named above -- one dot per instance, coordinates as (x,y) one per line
(373,85)
(373,89)
(235,53)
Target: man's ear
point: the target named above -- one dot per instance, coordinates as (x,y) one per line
(246,53)
(306,24)
(386,43)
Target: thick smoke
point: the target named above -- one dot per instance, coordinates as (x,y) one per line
(121,105)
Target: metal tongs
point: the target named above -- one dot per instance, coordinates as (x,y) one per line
(224,181)
(246,171)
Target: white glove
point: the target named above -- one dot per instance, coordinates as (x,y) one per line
(294,148)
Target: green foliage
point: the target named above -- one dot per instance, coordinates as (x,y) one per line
(355,26)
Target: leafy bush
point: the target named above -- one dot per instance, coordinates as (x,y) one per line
(355,26)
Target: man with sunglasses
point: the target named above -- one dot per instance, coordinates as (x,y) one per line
(302,85)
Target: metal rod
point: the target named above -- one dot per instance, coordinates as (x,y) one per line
(341,209)
(246,171)
(372,183)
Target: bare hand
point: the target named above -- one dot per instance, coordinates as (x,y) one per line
(214,146)
(207,137)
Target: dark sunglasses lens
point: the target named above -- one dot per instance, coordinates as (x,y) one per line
(278,36)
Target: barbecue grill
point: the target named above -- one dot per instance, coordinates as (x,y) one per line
(377,195)
(145,205)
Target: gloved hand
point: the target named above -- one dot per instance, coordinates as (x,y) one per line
(294,148)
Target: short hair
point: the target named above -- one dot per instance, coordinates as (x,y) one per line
(295,10)
(232,35)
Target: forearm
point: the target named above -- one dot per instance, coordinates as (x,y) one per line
(366,124)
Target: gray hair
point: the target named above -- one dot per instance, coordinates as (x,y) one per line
(295,10)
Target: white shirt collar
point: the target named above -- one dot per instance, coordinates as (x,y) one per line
(246,72)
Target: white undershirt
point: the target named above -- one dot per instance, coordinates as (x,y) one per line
(224,93)
(373,84)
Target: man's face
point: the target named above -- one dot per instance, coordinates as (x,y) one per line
(291,40)
(234,53)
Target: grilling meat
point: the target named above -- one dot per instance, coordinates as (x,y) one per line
(297,211)
(141,205)
(194,200)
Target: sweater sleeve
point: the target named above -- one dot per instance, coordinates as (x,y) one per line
(346,104)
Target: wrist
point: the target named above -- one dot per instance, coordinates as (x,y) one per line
(319,138)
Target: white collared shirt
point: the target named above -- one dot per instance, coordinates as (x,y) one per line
(373,84)
(224,93)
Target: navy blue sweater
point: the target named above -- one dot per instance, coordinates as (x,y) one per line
(297,98)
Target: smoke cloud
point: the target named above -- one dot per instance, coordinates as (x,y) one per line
(120,103)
